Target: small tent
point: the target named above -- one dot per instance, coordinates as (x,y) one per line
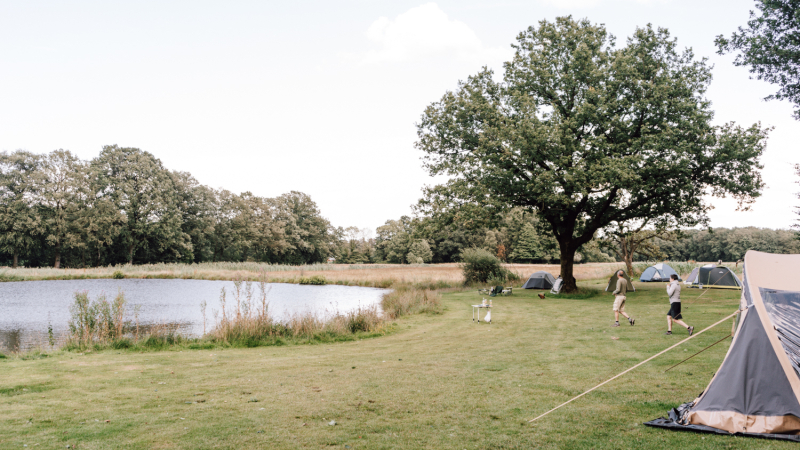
(756,390)
(539,280)
(658,272)
(692,278)
(612,282)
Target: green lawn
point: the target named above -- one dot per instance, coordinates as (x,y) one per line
(436,382)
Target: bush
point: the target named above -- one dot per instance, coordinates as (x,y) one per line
(316,280)
(118,275)
(480,266)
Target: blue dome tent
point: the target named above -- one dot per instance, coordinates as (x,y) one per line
(658,272)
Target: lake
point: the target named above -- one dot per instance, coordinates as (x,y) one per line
(28,307)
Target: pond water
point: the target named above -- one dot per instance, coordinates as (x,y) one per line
(27,308)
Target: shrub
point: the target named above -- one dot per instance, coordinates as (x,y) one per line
(118,275)
(480,266)
(317,280)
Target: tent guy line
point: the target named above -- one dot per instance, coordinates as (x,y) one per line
(637,365)
(701,351)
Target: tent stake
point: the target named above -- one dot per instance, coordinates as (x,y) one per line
(637,365)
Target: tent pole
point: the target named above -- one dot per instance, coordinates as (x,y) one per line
(637,365)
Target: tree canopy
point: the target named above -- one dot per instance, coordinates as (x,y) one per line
(770,46)
(588,135)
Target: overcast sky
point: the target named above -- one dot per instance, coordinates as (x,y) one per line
(318,96)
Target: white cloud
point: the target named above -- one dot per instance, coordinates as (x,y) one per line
(426,31)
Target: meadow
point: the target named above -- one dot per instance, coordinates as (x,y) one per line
(432,381)
(373,275)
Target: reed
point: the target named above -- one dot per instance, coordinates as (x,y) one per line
(250,324)
(406,300)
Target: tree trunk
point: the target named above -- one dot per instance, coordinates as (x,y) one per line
(16,259)
(569,284)
(58,257)
(629,264)
(130,254)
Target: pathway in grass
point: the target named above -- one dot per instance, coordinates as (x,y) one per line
(439,381)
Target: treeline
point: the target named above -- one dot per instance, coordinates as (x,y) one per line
(728,244)
(514,235)
(124,206)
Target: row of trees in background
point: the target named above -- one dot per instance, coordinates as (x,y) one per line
(125,206)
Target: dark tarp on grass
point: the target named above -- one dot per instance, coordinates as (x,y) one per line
(612,282)
(756,391)
(539,280)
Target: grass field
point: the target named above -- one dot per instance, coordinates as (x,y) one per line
(437,381)
(379,275)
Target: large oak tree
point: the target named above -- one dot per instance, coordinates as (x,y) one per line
(770,46)
(588,134)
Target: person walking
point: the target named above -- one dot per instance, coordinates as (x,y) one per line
(619,299)
(674,314)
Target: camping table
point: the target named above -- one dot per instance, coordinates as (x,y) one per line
(478,309)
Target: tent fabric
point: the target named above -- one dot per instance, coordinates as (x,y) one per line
(557,286)
(756,391)
(717,278)
(658,272)
(539,280)
(692,278)
(612,282)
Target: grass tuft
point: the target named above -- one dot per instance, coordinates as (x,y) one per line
(406,300)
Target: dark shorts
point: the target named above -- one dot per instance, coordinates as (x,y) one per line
(675,310)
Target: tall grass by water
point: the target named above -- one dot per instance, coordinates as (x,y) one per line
(243,320)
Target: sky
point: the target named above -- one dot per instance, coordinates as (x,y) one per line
(320,97)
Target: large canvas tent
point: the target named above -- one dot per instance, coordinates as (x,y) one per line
(658,272)
(539,280)
(612,282)
(692,278)
(756,391)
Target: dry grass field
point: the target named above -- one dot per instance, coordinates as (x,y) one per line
(382,275)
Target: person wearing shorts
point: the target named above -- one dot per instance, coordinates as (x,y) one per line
(674,314)
(619,299)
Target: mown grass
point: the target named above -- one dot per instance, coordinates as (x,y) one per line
(438,381)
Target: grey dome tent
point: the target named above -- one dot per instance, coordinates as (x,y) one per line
(658,272)
(612,282)
(692,278)
(756,390)
(539,280)
(717,278)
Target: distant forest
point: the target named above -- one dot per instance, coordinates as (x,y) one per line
(124,206)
